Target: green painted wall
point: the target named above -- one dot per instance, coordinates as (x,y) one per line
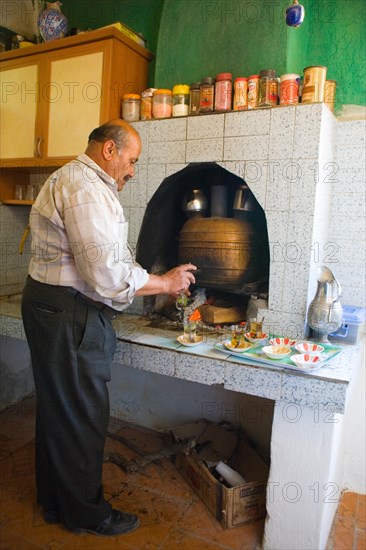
(245,36)
(197,38)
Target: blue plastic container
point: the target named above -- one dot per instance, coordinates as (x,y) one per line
(351,328)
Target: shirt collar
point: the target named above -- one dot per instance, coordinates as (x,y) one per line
(107,179)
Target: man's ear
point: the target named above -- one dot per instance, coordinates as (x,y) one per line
(108,148)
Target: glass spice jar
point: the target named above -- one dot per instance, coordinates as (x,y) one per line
(194,98)
(268,89)
(180,100)
(207,95)
(240,94)
(146,103)
(162,103)
(253,91)
(223,92)
(131,107)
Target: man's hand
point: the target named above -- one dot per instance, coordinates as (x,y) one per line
(179,279)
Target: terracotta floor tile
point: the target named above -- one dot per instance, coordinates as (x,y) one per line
(361,512)
(360,539)
(187,541)
(171,514)
(198,519)
(13,541)
(348,505)
(344,534)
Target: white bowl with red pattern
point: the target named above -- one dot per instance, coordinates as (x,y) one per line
(289,342)
(309,347)
(307,360)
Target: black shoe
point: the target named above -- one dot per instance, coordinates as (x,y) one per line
(118,523)
(51,516)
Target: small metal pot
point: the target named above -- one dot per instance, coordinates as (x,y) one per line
(194,203)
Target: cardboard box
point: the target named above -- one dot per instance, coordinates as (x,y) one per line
(231,506)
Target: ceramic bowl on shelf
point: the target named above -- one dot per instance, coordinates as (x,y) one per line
(306,360)
(262,340)
(240,348)
(289,342)
(309,347)
(197,339)
(276,352)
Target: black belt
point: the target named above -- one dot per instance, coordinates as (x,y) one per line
(107,310)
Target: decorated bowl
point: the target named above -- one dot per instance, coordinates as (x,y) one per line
(263,338)
(289,342)
(306,360)
(241,347)
(277,351)
(309,347)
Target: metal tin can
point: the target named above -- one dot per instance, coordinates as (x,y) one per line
(253,91)
(314,81)
(289,89)
(329,93)
(240,94)
(268,89)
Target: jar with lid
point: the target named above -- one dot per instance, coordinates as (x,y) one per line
(131,107)
(194,98)
(207,95)
(162,103)
(146,103)
(268,89)
(289,89)
(253,91)
(180,100)
(240,94)
(223,92)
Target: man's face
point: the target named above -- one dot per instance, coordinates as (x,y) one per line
(123,163)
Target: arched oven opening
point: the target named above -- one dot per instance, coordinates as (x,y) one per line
(208,216)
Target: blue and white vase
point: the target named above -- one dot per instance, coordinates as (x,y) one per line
(295,14)
(52,23)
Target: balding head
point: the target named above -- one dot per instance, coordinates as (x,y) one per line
(116,130)
(115,147)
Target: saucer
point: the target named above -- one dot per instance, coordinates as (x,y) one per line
(197,340)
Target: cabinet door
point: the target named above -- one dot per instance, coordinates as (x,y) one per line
(20,96)
(74,98)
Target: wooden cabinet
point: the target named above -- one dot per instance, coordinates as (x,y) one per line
(54,94)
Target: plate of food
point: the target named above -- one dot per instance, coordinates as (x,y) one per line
(220,346)
(194,341)
(256,338)
(277,352)
(239,346)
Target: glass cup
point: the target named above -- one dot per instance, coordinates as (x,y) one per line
(189,330)
(30,193)
(19,192)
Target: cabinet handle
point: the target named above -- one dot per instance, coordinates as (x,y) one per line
(37,148)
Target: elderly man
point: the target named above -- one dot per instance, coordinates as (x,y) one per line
(81,275)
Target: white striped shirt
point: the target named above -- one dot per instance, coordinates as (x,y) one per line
(79,236)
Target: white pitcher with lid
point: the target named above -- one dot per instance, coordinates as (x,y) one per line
(325,312)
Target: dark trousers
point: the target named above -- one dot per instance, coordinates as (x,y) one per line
(72,345)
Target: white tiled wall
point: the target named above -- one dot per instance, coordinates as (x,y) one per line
(286,155)
(348,221)
(278,152)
